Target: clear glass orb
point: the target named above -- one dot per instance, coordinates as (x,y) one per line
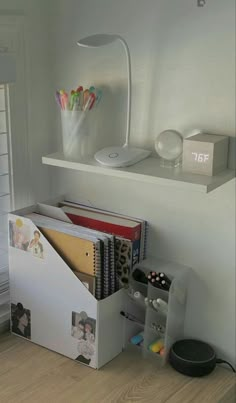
(169,145)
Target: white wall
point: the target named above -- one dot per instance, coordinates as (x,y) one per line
(183,69)
(37,94)
(183,65)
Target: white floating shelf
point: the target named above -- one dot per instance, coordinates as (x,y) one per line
(148,170)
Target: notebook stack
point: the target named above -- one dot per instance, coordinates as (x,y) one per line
(99,246)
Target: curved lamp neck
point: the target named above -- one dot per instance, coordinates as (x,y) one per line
(129,90)
(105,39)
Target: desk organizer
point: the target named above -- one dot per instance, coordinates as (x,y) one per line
(51,307)
(172,321)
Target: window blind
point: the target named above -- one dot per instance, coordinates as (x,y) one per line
(6,200)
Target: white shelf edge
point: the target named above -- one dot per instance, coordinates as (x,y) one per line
(145,171)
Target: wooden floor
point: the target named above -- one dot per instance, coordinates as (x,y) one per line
(29,373)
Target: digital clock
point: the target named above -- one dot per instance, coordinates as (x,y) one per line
(199,157)
(205,154)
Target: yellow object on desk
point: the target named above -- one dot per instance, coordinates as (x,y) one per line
(156,346)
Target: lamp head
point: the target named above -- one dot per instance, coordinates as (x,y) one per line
(95,41)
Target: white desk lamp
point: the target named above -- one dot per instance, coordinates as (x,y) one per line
(125,155)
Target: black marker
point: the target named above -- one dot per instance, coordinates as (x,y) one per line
(139,275)
(165,285)
(163,276)
(131,317)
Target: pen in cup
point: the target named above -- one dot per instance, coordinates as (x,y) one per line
(79,99)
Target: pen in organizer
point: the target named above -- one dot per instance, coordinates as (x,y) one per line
(86,100)
(131,317)
(156,326)
(80,88)
(89,102)
(64,99)
(58,99)
(79,99)
(73,104)
(164,277)
(92,100)
(75,101)
(98,94)
(158,282)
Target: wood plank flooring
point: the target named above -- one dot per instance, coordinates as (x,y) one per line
(32,374)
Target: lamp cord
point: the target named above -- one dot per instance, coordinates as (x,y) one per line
(219,361)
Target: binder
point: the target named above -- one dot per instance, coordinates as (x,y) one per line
(101,221)
(144,223)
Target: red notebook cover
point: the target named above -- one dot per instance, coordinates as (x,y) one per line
(114,229)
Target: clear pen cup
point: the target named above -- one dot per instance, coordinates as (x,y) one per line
(74,134)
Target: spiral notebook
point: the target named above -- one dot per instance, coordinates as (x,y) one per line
(83,253)
(108,272)
(78,253)
(135,249)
